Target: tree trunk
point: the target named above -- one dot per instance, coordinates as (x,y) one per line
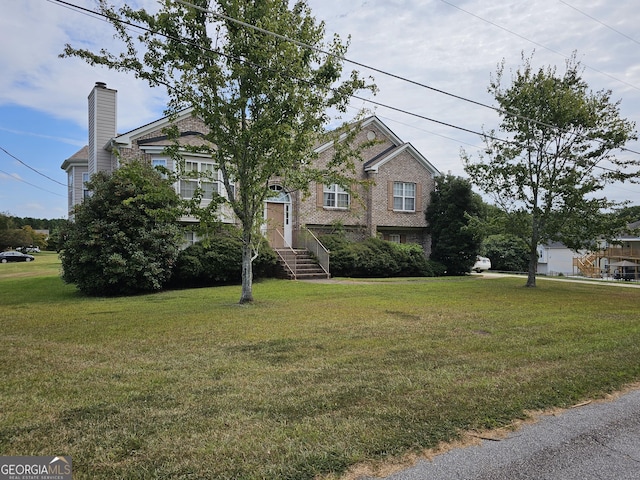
(247,272)
(533,245)
(533,266)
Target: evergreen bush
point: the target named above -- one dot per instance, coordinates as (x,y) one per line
(218,261)
(376,258)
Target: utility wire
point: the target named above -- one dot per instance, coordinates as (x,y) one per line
(31,168)
(393,75)
(304,45)
(31,184)
(337,57)
(600,22)
(186,41)
(536,43)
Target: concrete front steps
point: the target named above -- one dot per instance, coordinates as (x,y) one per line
(299,265)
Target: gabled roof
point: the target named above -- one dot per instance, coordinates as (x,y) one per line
(126,139)
(374,164)
(398,147)
(373,120)
(81,157)
(631,233)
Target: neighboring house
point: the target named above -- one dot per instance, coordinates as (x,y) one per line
(619,259)
(555,258)
(392,207)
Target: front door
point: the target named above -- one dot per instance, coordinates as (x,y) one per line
(278,215)
(276,224)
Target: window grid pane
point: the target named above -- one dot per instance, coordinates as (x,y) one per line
(329,199)
(188,188)
(409,204)
(409,189)
(334,196)
(208,189)
(404,196)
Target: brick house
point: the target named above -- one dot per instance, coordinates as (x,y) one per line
(401,179)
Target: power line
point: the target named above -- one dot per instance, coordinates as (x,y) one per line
(337,57)
(183,40)
(31,168)
(600,22)
(31,184)
(423,117)
(304,45)
(398,77)
(536,43)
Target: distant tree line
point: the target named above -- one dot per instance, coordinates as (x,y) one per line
(19,232)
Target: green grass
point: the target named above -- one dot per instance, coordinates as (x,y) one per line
(310,379)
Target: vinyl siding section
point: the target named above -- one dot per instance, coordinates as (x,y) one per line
(102,128)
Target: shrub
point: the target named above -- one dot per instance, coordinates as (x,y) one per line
(376,258)
(218,261)
(124,238)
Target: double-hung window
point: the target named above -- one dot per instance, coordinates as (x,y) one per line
(208,180)
(199,174)
(334,196)
(404,197)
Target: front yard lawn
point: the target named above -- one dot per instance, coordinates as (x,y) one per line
(309,380)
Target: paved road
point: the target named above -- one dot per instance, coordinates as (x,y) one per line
(590,281)
(599,441)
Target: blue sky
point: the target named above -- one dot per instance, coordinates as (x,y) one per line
(451,45)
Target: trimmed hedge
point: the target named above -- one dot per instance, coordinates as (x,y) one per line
(218,261)
(377,258)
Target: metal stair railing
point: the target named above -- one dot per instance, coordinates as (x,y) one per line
(311,243)
(285,253)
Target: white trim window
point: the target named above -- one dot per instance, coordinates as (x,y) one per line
(404,197)
(159,164)
(199,174)
(334,196)
(85,191)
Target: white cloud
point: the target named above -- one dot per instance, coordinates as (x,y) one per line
(433,42)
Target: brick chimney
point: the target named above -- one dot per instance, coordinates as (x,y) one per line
(102,127)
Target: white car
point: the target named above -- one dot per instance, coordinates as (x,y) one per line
(482,264)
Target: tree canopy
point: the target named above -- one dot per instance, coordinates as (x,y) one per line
(264,93)
(453,243)
(124,238)
(552,156)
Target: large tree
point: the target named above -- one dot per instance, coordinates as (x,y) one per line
(264,93)
(552,156)
(454,243)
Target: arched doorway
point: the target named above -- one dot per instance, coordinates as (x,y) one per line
(278,216)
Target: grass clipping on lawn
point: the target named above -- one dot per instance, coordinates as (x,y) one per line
(307,382)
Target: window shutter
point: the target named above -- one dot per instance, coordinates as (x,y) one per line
(390,195)
(319,195)
(418,197)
